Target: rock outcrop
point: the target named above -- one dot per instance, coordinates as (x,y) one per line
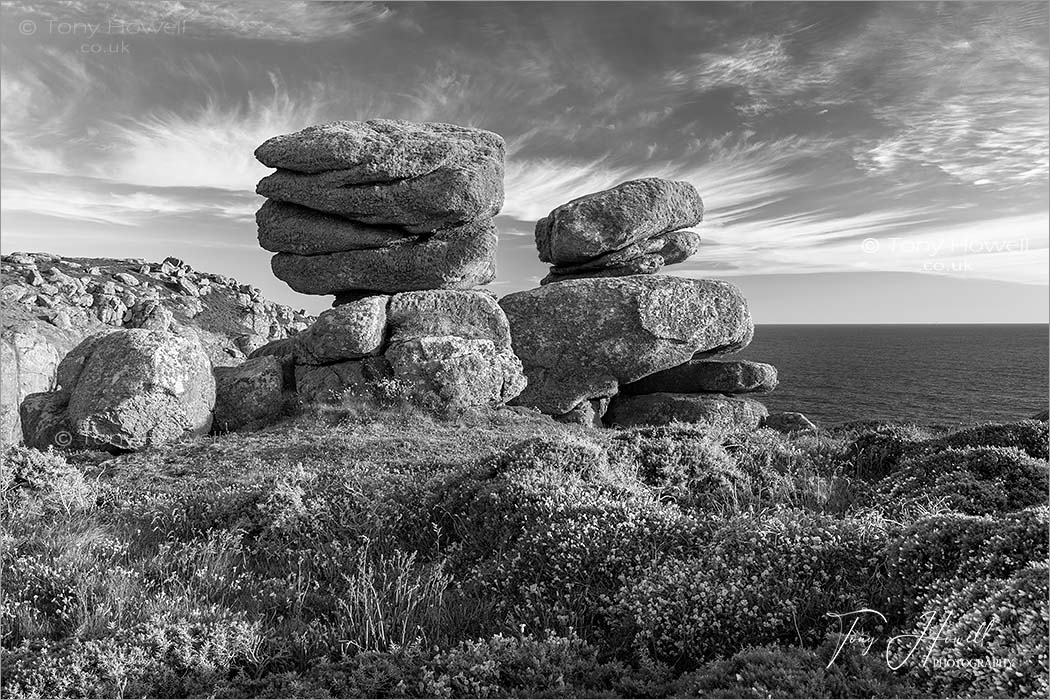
(49,304)
(633,228)
(579,340)
(708,376)
(394,219)
(442,348)
(381,206)
(123,390)
(254,394)
(605,341)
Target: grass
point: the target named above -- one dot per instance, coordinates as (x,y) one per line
(350,552)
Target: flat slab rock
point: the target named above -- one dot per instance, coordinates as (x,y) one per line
(456,258)
(580,339)
(643,257)
(612,219)
(708,376)
(722,414)
(379,150)
(447,196)
(291,228)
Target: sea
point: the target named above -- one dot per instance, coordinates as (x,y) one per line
(924,374)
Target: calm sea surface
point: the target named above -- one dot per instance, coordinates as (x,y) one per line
(913,373)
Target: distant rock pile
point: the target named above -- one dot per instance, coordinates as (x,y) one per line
(604,340)
(381,206)
(395,220)
(631,229)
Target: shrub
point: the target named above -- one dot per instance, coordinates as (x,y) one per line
(685,466)
(549,536)
(962,547)
(164,657)
(970,480)
(759,581)
(35,481)
(985,638)
(1029,436)
(775,671)
(871,456)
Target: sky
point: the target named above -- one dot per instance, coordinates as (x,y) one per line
(859,162)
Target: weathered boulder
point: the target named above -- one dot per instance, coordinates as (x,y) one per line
(28,364)
(346,332)
(444,198)
(251,395)
(380,150)
(641,258)
(443,312)
(580,339)
(643,265)
(587,413)
(128,389)
(606,221)
(44,420)
(721,414)
(454,372)
(456,258)
(789,422)
(290,228)
(369,377)
(282,347)
(708,376)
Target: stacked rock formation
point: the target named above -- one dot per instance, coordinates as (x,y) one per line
(394,219)
(604,337)
(633,228)
(382,205)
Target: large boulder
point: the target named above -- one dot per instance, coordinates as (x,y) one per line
(580,339)
(346,332)
(457,258)
(454,372)
(708,376)
(28,364)
(128,389)
(290,228)
(612,219)
(379,150)
(721,414)
(251,395)
(443,312)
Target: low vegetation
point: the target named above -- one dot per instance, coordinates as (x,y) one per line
(349,553)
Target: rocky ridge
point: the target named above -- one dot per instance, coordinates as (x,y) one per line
(51,304)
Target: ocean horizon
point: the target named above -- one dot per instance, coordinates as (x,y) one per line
(928,374)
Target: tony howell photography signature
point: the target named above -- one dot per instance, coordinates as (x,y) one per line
(109,27)
(919,646)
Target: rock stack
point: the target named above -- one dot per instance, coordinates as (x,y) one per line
(381,206)
(631,229)
(604,337)
(395,219)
